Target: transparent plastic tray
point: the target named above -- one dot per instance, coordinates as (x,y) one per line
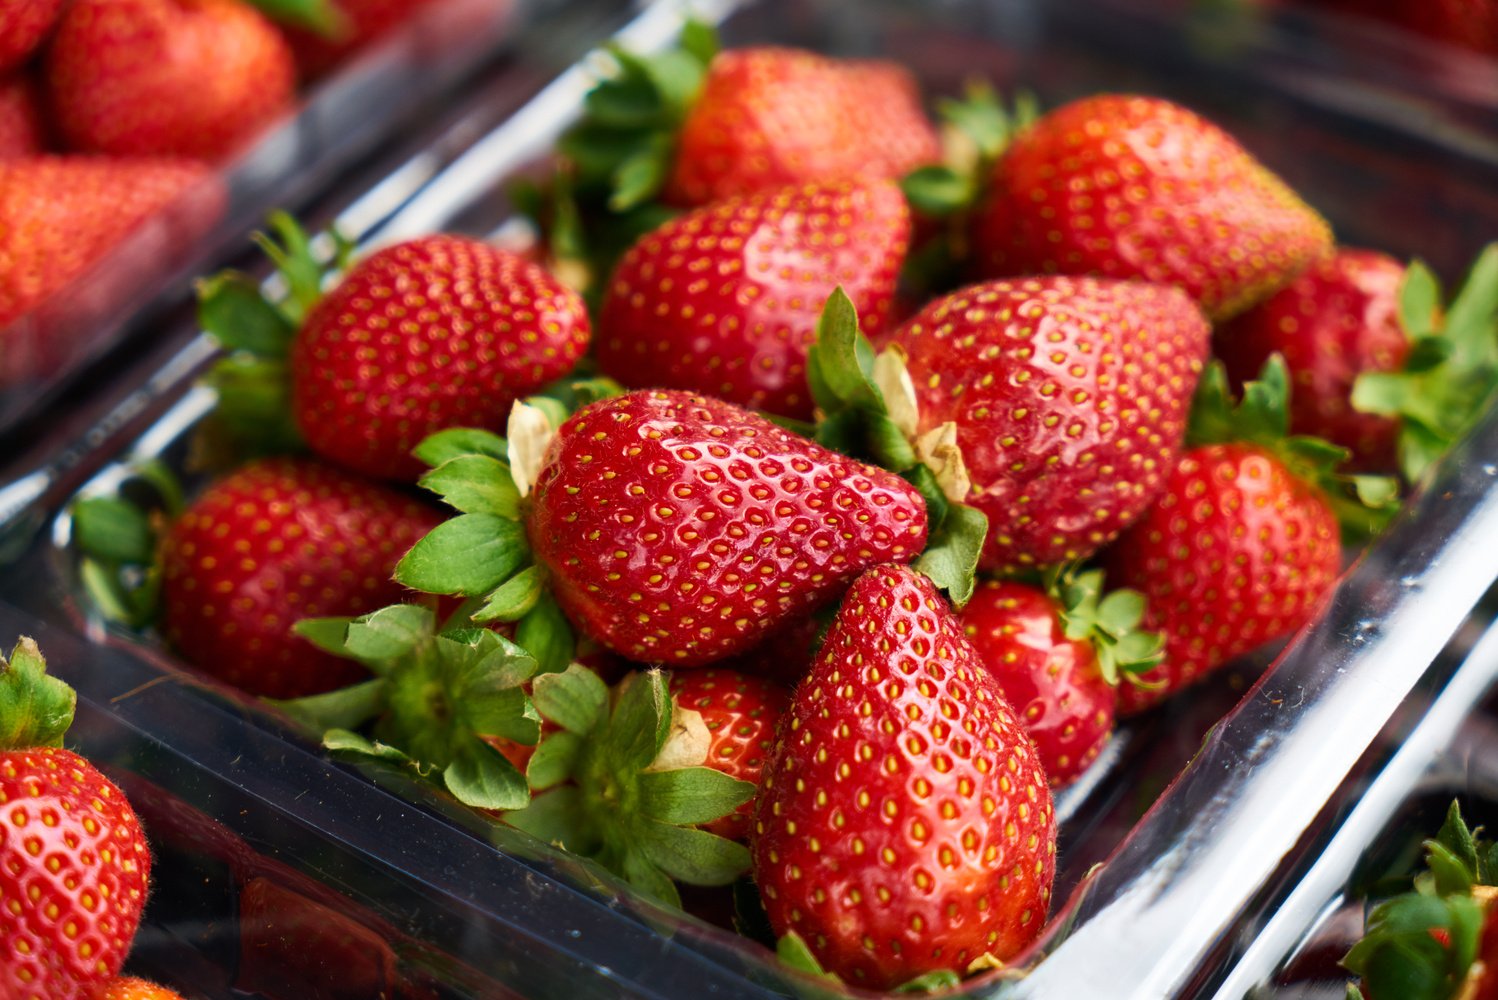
(1199,828)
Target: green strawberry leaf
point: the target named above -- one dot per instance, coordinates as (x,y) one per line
(515,598)
(346,708)
(1399,956)
(544,631)
(475,484)
(693,856)
(253,408)
(951,556)
(232,310)
(344,741)
(690,795)
(575,699)
(481,777)
(647,877)
(387,634)
(35,709)
(793,952)
(317,16)
(113,529)
(700,40)
(935,981)
(461,442)
(554,761)
(290,248)
(937,190)
(555,817)
(840,363)
(1111,623)
(641,720)
(468,555)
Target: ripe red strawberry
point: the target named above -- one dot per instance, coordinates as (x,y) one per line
(21,133)
(274,542)
(130,988)
(1058,654)
(1337,320)
(679,529)
(1139,188)
(904,823)
(433,333)
(195,78)
(725,300)
(74,864)
(1069,396)
(774,117)
(740,712)
(59,215)
(363,22)
(23,25)
(1235,552)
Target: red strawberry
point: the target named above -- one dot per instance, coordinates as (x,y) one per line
(1336,321)
(740,712)
(130,988)
(363,22)
(274,542)
(293,946)
(680,529)
(1057,655)
(191,78)
(1471,24)
(59,215)
(904,823)
(775,117)
(1137,187)
(429,334)
(23,25)
(1236,551)
(21,133)
(74,865)
(785,655)
(725,300)
(1069,396)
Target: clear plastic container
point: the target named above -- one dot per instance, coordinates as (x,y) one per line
(1202,815)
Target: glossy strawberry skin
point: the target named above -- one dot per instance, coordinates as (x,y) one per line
(1053,682)
(725,300)
(272,543)
(904,822)
(437,332)
(1139,188)
(1236,552)
(23,25)
(1336,321)
(21,132)
(741,712)
(73,854)
(193,78)
(680,530)
(1070,397)
(61,214)
(130,988)
(775,117)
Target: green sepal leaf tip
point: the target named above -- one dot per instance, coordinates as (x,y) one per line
(36,709)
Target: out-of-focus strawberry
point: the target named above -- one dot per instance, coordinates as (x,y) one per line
(59,215)
(131,988)
(21,131)
(360,23)
(23,25)
(725,300)
(196,78)
(1139,188)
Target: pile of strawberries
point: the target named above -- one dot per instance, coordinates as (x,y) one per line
(113,115)
(846,647)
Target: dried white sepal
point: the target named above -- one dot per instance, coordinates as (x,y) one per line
(893,381)
(688,742)
(528,435)
(937,449)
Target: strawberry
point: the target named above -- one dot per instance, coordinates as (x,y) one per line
(74,865)
(1136,187)
(1057,654)
(904,822)
(1243,542)
(59,215)
(1470,24)
(725,300)
(1337,320)
(275,541)
(130,988)
(23,25)
(1439,941)
(361,23)
(740,713)
(425,335)
(773,117)
(21,132)
(1069,399)
(293,946)
(194,78)
(735,526)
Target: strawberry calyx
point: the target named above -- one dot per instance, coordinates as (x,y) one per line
(1426,944)
(1109,621)
(35,709)
(255,324)
(1450,376)
(318,16)
(115,537)
(1364,504)
(621,781)
(866,408)
(792,951)
(977,128)
(438,696)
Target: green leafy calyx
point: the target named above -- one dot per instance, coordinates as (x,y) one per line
(1109,621)
(114,537)
(35,709)
(621,781)
(1450,376)
(437,703)
(977,129)
(1363,504)
(867,408)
